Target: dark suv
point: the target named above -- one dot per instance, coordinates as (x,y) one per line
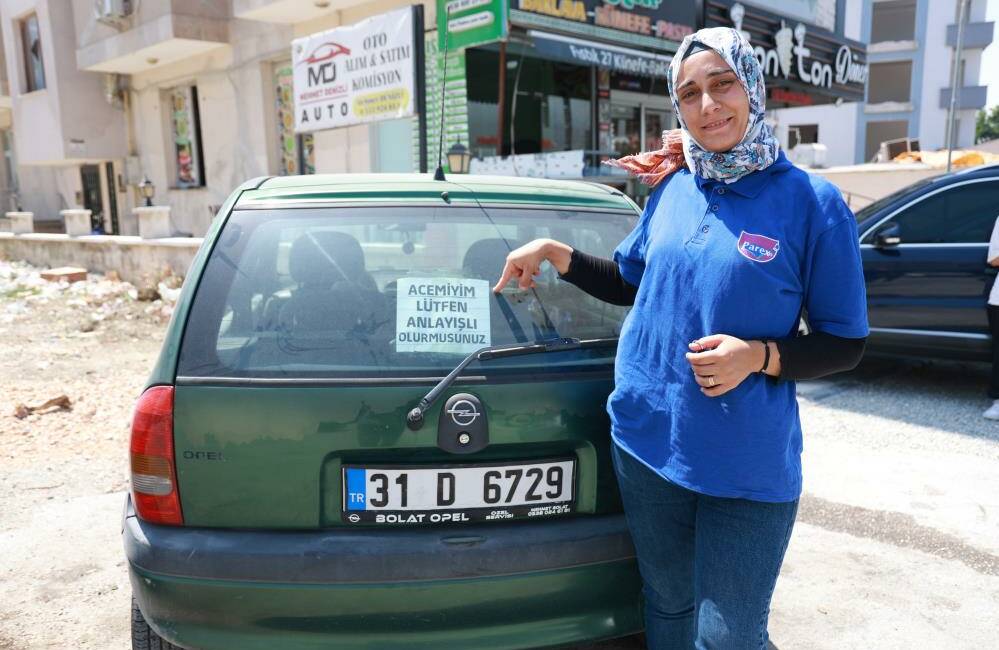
(924,250)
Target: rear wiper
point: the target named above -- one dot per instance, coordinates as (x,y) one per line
(414,419)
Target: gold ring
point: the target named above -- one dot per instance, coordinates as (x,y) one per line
(711,381)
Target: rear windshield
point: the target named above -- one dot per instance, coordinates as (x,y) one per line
(389,292)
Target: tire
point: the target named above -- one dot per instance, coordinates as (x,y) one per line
(143,636)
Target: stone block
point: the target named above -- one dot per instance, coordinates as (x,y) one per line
(68,273)
(21,222)
(154,221)
(77,221)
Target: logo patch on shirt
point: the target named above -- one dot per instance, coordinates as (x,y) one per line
(757,247)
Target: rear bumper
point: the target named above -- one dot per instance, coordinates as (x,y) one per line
(517,585)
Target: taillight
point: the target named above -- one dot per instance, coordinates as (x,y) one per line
(154,478)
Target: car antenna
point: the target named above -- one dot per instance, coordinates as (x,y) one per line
(439,173)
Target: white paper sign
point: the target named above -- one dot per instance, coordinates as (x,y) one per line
(448,315)
(355,74)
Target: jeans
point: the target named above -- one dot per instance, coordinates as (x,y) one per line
(708,564)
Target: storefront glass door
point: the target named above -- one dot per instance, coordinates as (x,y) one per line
(638,121)
(626,127)
(656,121)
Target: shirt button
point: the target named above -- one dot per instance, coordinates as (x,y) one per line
(714,208)
(721,190)
(705,228)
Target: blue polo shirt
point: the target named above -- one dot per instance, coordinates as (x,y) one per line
(742,259)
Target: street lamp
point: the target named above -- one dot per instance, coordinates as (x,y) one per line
(458,158)
(147,189)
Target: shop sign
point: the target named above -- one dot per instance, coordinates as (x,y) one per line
(804,58)
(663,19)
(361,73)
(588,53)
(791,97)
(455,98)
(467,23)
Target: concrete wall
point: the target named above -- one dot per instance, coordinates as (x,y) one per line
(853,14)
(90,31)
(134,259)
(36,115)
(990,56)
(236,103)
(101,127)
(862,184)
(235,96)
(833,122)
(937,61)
(47,190)
(232,101)
(49,127)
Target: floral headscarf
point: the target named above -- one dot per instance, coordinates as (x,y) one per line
(758,148)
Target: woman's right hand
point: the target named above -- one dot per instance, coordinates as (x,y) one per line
(525,262)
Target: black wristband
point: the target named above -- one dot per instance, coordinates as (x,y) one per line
(766,355)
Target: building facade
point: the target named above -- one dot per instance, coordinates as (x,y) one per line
(199,96)
(193,96)
(911,46)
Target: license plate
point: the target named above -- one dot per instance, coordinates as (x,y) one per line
(457,493)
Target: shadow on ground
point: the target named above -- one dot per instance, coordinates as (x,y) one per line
(945,395)
(636,642)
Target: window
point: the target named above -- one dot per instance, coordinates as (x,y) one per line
(878,132)
(802,134)
(958,215)
(893,21)
(551,110)
(347,292)
(31,51)
(296,152)
(889,82)
(185,131)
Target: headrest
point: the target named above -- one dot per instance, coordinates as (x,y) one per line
(327,256)
(485,258)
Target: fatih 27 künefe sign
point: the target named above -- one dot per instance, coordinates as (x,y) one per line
(364,72)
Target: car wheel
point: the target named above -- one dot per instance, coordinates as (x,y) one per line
(143,637)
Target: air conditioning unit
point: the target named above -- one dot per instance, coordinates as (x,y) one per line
(888,149)
(112,12)
(811,154)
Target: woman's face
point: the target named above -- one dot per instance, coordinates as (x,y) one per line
(712,102)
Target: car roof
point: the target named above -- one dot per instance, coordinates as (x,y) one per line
(380,189)
(990,169)
(925,186)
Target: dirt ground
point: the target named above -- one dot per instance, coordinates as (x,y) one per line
(896,544)
(63,473)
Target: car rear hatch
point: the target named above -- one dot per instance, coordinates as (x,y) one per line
(315,330)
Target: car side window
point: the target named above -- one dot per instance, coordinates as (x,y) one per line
(961,214)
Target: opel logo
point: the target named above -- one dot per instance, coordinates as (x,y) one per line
(463,412)
(354,518)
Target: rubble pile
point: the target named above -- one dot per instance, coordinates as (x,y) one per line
(92,301)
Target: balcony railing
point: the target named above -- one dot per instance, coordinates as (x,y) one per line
(976,35)
(287,11)
(158,34)
(967,97)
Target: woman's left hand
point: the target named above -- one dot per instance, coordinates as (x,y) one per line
(721,362)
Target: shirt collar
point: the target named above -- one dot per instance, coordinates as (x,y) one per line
(749,185)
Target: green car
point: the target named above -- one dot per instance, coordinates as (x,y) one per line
(349,440)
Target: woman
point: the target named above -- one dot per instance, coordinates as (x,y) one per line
(727,253)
